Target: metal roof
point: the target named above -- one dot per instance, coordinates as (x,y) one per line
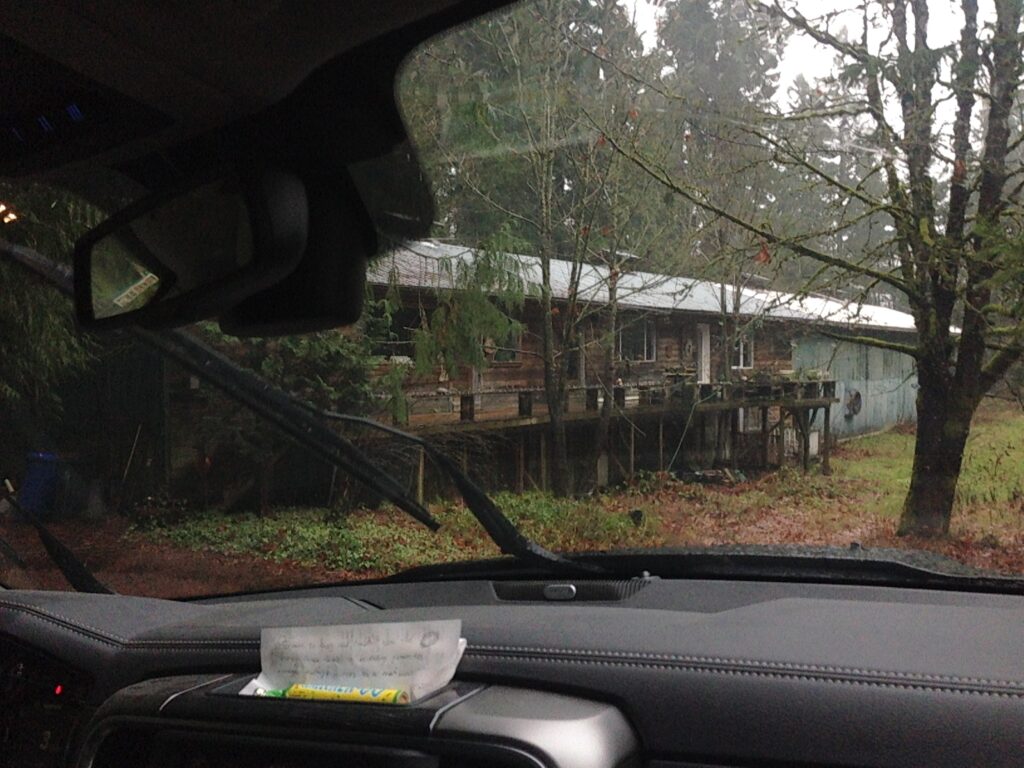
(431,265)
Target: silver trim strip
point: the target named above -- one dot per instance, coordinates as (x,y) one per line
(195,687)
(437,715)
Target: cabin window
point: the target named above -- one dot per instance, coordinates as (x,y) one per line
(575,370)
(506,349)
(404,324)
(637,341)
(743,353)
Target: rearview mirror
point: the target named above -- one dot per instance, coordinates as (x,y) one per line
(179,257)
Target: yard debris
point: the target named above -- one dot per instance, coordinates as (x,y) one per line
(723,476)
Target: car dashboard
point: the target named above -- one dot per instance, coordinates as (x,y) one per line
(656,672)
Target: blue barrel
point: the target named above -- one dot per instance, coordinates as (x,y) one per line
(39,486)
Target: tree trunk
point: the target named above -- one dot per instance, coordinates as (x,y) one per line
(554,394)
(602,440)
(561,471)
(943,424)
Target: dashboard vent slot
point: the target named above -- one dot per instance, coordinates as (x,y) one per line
(569,591)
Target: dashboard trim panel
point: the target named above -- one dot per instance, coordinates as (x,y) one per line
(705,671)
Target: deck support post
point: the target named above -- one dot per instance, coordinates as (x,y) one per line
(765,436)
(543,462)
(734,439)
(521,463)
(421,471)
(826,445)
(805,443)
(632,451)
(661,444)
(526,404)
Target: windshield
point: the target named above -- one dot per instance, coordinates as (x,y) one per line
(701,274)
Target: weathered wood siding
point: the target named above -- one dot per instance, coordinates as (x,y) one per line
(885,380)
(677,350)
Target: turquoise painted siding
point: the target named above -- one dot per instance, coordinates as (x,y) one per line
(887,382)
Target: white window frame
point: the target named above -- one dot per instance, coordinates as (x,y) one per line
(650,330)
(744,361)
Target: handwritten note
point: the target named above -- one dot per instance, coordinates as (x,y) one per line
(419,657)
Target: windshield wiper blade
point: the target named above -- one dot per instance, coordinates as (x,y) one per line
(503,532)
(73,569)
(913,568)
(11,554)
(281,409)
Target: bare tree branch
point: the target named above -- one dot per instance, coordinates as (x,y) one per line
(759,231)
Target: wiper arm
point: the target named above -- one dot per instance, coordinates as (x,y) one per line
(503,532)
(11,554)
(302,421)
(73,569)
(286,412)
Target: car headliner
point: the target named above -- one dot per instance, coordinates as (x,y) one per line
(207,64)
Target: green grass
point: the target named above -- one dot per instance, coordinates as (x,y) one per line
(306,536)
(386,540)
(879,465)
(991,482)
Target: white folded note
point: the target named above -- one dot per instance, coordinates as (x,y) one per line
(419,657)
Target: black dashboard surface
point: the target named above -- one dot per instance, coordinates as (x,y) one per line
(719,672)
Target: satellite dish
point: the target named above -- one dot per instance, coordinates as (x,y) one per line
(853,403)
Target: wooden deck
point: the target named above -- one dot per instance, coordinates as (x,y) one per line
(644,413)
(526,407)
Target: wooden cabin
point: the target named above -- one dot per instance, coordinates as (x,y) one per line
(669,330)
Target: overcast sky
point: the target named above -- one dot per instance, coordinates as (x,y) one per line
(804,55)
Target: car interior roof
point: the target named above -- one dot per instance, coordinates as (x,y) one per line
(206,65)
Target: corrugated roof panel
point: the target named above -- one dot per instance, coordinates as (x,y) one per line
(429,264)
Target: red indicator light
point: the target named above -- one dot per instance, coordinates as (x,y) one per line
(58,689)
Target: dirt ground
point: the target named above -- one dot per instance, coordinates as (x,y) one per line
(129,563)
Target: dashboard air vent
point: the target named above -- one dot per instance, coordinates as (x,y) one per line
(569,591)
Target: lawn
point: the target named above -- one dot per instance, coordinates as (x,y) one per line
(859,503)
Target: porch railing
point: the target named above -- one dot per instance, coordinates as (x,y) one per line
(450,407)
